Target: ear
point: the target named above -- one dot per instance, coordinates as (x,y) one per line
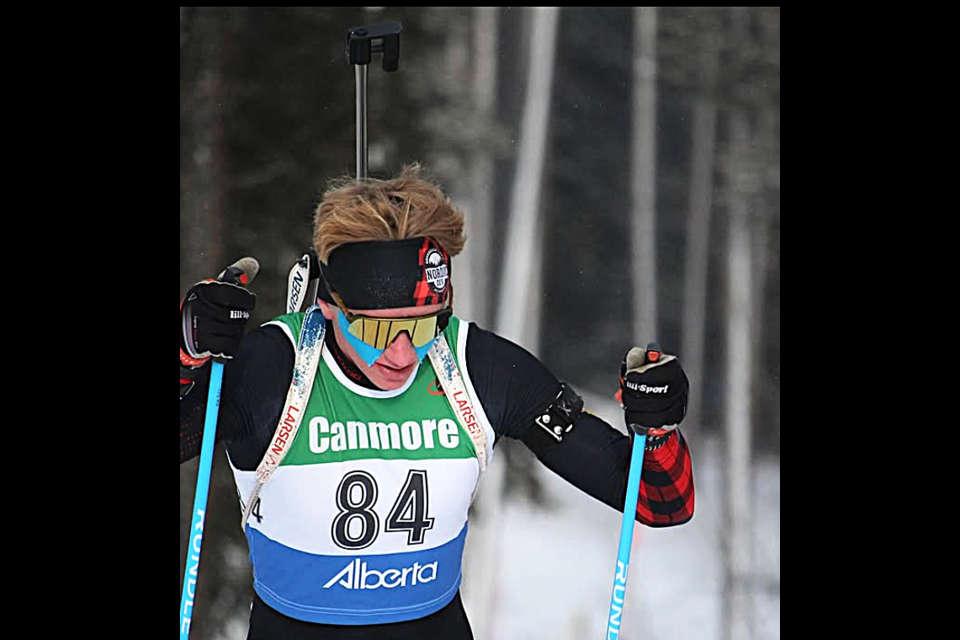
(329,310)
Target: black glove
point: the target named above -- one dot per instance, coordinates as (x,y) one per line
(653,391)
(214,315)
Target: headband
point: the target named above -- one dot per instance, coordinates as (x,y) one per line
(388,274)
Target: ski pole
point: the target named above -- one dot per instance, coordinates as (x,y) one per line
(242,272)
(362,43)
(615,617)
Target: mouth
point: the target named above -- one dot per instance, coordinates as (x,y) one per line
(394,374)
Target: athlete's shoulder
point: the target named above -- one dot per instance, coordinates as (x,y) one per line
(290,324)
(511,383)
(292,320)
(488,344)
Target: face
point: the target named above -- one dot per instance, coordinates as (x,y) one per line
(392,369)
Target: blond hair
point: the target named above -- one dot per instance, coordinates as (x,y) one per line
(403,207)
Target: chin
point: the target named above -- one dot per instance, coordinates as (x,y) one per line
(388,386)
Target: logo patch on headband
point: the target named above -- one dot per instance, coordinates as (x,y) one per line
(436,271)
(435,263)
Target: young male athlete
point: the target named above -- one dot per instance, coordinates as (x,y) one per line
(359,531)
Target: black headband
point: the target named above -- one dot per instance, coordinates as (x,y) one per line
(390,274)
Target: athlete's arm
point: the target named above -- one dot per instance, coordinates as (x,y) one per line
(255,385)
(515,388)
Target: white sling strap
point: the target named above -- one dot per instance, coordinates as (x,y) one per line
(305,369)
(304,372)
(460,401)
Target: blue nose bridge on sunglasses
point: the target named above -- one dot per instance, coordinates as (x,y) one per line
(370,354)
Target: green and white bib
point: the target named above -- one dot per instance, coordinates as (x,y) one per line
(365,520)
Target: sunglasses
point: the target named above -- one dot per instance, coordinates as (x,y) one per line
(379,333)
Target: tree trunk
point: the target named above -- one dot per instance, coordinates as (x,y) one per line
(520,301)
(644,175)
(739,379)
(522,244)
(697,269)
(739,376)
(201,246)
(760,225)
(643,184)
(475,285)
(202,184)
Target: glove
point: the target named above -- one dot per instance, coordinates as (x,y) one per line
(653,391)
(214,315)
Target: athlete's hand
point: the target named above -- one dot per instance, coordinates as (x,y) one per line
(214,314)
(653,391)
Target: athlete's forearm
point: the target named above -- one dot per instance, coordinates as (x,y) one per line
(595,458)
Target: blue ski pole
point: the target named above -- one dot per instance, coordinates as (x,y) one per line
(615,617)
(242,272)
(200,501)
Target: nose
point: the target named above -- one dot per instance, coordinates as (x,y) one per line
(401,353)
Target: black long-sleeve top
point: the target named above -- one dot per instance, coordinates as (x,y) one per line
(511,384)
(513,387)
